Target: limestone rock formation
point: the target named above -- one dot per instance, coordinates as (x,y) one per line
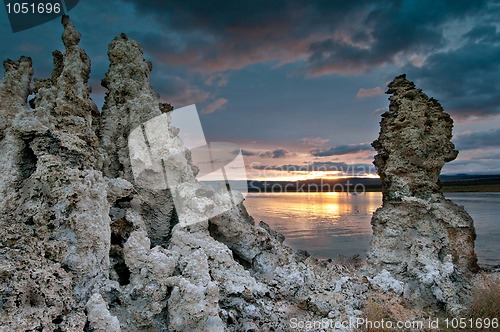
(84,247)
(54,219)
(420,237)
(130,102)
(414,142)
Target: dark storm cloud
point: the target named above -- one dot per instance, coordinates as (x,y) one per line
(341,150)
(245,152)
(276,154)
(328,166)
(396,29)
(331,36)
(220,35)
(176,89)
(465,78)
(349,37)
(478,140)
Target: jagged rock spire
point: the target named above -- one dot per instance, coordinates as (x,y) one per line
(414,142)
(424,240)
(81,251)
(68,91)
(54,222)
(71,36)
(16,82)
(130,101)
(14,90)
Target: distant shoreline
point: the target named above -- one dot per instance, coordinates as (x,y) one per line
(471,189)
(454,183)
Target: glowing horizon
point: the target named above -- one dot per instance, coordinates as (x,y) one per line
(294,178)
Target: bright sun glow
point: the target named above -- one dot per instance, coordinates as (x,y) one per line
(314,175)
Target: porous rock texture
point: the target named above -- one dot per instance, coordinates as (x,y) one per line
(83,247)
(86,246)
(54,219)
(421,239)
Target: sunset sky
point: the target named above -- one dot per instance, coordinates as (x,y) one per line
(300,84)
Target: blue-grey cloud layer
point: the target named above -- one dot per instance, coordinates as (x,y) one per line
(340,37)
(341,150)
(278,71)
(276,154)
(484,139)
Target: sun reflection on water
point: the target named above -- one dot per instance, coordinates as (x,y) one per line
(327,224)
(331,224)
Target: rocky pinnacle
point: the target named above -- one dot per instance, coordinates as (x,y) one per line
(414,142)
(83,247)
(419,236)
(86,247)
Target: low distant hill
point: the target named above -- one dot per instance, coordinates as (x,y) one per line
(470,182)
(459,182)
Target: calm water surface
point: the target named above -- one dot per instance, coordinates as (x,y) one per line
(332,224)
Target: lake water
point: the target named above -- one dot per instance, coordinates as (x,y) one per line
(331,224)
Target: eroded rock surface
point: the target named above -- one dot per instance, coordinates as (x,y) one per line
(419,237)
(54,219)
(85,247)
